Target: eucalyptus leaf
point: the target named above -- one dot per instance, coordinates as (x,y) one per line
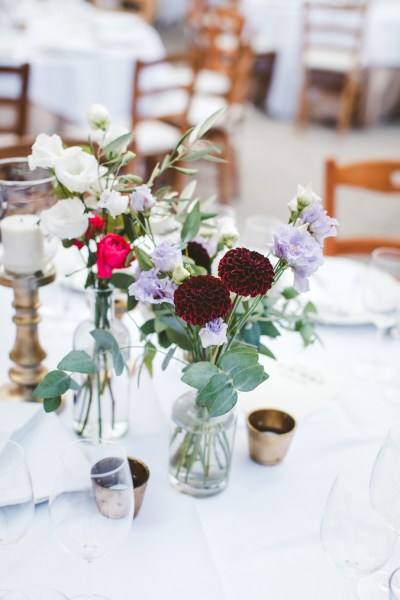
(52,385)
(107,342)
(239,358)
(198,374)
(185,171)
(189,190)
(248,379)
(168,357)
(290,293)
(51,404)
(203,127)
(219,395)
(77,361)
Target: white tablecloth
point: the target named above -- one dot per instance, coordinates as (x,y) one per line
(259,538)
(79,55)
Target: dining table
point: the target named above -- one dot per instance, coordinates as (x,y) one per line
(260,537)
(79,54)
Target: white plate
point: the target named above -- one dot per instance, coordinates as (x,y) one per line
(336,290)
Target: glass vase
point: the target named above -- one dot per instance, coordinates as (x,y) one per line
(200,448)
(101,406)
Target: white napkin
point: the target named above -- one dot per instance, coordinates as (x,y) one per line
(17,418)
(43,437)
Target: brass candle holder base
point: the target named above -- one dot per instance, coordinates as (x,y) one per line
(27,353)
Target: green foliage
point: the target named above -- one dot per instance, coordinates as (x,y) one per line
(106,342)
(77,361)
(191,224)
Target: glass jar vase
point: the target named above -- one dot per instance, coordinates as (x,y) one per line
(101,406)
(200,448)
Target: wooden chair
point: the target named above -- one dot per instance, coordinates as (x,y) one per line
(331,56)
(19,103)
(144,8)
(379,176)
(162,94)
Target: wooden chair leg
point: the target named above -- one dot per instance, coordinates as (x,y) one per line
(303,109)
(347,103)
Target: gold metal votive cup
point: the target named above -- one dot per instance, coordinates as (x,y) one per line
(140,476)
(270,432)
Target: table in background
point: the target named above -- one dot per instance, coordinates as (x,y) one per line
(277,26)
(259,538)
(79,55)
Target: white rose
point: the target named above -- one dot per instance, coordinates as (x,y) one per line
(112,133)
(77,171)
(114,202)
(98,117)
(45,151)
(66,219)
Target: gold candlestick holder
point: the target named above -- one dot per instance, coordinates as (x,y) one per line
(27,353)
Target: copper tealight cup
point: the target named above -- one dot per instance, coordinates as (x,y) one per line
(110,489)
(270,433)
(140,476)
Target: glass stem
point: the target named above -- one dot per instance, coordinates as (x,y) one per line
(350,588)
(378,346)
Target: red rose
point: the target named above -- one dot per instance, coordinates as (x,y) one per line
(112,252)
(96,225)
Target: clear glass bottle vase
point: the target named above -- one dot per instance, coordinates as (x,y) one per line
(200,448)
(101,406)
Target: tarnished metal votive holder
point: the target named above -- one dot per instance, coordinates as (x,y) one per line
(270,432)
(110,490)
(140,476)
(111,493)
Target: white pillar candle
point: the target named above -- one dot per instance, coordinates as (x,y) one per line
(23,244)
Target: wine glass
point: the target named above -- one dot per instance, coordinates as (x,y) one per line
(16,497)
(394,585)
(258,232)
(385,480)
(34,593)
(381,298)
(92,501)
(355,536)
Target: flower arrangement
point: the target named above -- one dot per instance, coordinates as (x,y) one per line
(209,298)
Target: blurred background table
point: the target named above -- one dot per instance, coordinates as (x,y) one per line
(79,55)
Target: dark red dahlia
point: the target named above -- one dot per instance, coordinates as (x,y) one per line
(199,254)
(246,272)
(201,299)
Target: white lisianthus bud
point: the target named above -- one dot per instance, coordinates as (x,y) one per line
(46,150)
(98,117)
(303,198)
(77,170)
(179,274)
(213,333)
(142,200)
(66,220)
(229,235)
(114,202)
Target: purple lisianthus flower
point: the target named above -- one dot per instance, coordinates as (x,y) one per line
(142,199)
(149,289)
(320,224)
(213,333)
(299,249)
(165,257)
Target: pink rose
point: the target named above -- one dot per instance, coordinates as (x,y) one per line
(112,252)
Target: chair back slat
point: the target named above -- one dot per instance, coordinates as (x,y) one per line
(19,103)
(376,176)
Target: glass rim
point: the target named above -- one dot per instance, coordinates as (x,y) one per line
(392,576)
(388,250)
(100,442)
(23,159)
